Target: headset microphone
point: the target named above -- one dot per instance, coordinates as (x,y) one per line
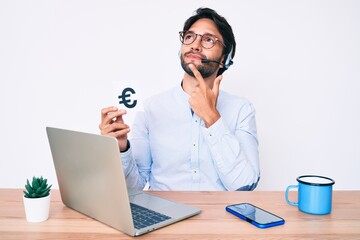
(205,60)
(226,66)
(227,63)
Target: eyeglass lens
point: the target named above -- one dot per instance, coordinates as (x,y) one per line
(207,40)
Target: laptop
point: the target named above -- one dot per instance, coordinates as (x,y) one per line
(92,181)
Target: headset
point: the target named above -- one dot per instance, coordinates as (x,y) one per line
(226,64)
(229,61)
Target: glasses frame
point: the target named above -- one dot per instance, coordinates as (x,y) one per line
(182,34)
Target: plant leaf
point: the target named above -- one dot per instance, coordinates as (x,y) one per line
(44,194)
(48,188)
(26,194)
(28,184)
(35,183)
(29,189)
(43,184)
(39,190)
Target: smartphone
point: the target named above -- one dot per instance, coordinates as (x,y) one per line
(255,215)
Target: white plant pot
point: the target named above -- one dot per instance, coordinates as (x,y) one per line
(37,209)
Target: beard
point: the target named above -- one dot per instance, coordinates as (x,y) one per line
(206,70)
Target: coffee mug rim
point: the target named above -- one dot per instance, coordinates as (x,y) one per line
(316,184)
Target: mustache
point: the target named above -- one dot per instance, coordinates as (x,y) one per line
(194,53)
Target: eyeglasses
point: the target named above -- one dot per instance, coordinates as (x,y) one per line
(207,40)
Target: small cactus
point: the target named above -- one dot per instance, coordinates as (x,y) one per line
(38,189)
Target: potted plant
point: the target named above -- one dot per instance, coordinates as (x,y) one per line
(37,200)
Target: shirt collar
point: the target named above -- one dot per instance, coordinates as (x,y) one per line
(182,93)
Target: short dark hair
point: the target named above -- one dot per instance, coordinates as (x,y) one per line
(223,27)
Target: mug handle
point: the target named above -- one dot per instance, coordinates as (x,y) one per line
(287,195)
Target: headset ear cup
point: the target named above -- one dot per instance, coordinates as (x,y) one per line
(228,61)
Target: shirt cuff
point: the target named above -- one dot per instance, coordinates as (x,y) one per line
(127,147)
(214,133)
(126,158)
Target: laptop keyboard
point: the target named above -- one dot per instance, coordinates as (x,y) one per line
(144,217)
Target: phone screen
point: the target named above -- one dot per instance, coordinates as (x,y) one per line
(255,215)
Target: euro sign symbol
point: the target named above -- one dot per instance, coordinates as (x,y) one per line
(125,95)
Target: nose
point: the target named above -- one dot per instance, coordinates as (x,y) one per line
(196,45)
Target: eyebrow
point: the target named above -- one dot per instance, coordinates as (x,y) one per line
(189,30)
(218,37)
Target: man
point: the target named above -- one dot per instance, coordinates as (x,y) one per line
(192,137)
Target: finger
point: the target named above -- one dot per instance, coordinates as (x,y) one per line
(105,111)
(216,85)
(119,130)
(116,116)
(197,74)
(120,133)
(114,127)
(111,117)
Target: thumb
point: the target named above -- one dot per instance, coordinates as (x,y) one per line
(216,85)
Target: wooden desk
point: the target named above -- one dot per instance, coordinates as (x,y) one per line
(213,223)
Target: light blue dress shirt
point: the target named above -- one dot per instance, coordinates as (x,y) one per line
(171,149)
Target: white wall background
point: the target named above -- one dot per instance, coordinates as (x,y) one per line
(297,61)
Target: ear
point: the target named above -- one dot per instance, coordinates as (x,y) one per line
(222,60)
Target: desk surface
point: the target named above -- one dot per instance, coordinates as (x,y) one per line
(212,223)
